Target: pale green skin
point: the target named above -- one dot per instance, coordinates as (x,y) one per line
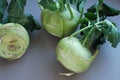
(59,23)
(14,41)
(73,56)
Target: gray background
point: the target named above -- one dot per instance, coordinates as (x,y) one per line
(39,62)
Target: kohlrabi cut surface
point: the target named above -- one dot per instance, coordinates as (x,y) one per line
(14,41)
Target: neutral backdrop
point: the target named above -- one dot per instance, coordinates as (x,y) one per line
(39,61)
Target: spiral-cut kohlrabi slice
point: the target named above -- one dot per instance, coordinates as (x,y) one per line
(14,41)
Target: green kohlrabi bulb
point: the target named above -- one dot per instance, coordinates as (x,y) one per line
(73,55)
(14,41)
(58,23)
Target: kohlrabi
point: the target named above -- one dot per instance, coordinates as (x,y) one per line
(73,55)
(14,41)
(58,17)
(77,51)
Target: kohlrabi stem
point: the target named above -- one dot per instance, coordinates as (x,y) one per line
(81,15)
(89,34)
(69,8)
(87,27)
(40,6)
(81,30)
(97,12)
(94,56)
(62,6)
(99,22)
(90,42)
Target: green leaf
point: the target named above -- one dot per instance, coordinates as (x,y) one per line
(16,9)
(109,11)
(48,4)
(78,3)
(113,35)
(90,16)
(31,24)
(104,10)
(111,32)
(3,6)
(84,20)
(16,15)
(99,39)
